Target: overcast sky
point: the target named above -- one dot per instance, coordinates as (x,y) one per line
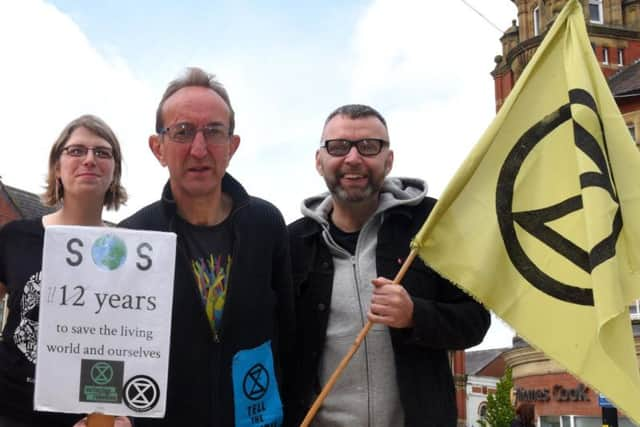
(286,64)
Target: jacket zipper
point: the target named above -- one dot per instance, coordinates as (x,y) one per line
(217,334)
(217,351)
(364,342)
(185,258)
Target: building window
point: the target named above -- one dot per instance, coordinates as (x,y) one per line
(595,11)
(550,421)
(621,57)
(536,21)
(482,410)
(605,55)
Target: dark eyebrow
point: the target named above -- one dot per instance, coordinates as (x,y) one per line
(88,146)
(216,124)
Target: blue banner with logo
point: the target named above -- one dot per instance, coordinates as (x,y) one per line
(255,388)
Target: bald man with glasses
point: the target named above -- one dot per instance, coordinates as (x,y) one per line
(233,318)
(345,249)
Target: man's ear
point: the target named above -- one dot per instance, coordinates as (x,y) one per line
(157,148)
(235,143)
(319,164)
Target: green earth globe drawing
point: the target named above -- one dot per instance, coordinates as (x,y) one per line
(109,252)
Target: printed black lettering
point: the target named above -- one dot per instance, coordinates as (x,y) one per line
(114,300)
(77,261)
(100,301)
(78,301)
(127,302)
(147,265)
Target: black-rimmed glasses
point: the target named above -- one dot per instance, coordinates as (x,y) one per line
(366,147)
(184,133)
(104,153)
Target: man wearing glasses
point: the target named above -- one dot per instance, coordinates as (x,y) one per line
(233,313)
(345,249)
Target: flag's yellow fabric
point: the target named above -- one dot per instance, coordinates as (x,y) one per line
(542,222)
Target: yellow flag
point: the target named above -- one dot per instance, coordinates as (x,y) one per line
(542,222)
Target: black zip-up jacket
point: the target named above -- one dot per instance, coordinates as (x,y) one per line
(258,308)
(445,319)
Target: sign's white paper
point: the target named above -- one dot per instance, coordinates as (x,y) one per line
(105,321)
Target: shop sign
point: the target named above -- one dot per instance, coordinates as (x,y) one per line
(557,393)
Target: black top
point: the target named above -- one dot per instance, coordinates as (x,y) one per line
(21,244)
(345,240)
(208,248)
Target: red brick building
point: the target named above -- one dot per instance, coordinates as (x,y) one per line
(18,204)
(625,87)
(484,368)
(8,210)
(613,27)
(560,399)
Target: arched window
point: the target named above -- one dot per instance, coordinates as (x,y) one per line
(482,410)
(536,21)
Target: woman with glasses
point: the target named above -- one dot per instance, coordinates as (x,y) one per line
(85,165)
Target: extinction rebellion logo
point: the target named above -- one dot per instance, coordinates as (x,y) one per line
(141,393)
(101,381)
(536,221)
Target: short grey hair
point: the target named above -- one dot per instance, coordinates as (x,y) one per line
(356,111)
(195,76)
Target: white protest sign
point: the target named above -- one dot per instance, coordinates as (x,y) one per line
(105,321)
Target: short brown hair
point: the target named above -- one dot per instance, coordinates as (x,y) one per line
(194,76)
(116,195)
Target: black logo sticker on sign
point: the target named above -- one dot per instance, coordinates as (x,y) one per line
(141,393)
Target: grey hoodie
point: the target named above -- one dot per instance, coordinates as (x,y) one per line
(366,394)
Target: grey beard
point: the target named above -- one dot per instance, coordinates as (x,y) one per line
(341,194)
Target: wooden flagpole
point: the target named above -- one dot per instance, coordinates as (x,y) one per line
(354,347)
(100,420)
